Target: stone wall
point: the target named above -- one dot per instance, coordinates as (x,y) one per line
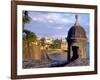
(31,51)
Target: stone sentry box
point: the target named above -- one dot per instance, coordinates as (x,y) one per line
(77,41)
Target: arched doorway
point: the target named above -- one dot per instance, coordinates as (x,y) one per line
(75,50)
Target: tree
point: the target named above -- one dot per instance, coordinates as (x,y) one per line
(26,18)
(56,44)
(42,41)
(30,36)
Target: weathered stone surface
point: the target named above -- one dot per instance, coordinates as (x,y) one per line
(77,42)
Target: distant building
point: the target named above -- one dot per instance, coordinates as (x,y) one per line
(48,40)
(77,41)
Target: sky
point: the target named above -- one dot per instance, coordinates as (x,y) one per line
(55,24)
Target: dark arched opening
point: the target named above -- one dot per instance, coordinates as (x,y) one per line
(75,50)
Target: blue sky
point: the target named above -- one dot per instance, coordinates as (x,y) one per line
(55,24)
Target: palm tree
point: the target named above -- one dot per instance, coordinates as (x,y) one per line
(26,18)
(30,36)
(42,41)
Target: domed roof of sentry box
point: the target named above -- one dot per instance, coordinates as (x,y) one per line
(76,31)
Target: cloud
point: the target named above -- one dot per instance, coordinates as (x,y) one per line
(50,21)
(53,18)
(59,28)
